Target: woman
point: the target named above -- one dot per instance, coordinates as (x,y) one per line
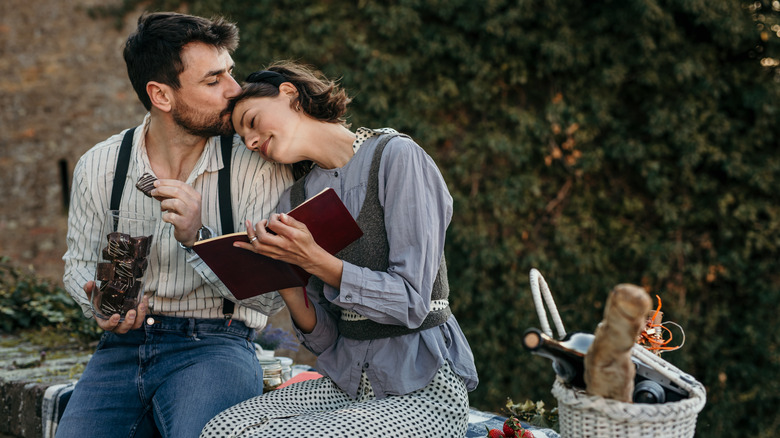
(395,360)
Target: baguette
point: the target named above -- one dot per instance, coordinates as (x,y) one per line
(609,371)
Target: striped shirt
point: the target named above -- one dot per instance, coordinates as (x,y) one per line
(178,282)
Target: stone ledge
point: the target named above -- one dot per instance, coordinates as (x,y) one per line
(26,371)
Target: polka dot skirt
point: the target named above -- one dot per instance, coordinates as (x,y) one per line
(318,408)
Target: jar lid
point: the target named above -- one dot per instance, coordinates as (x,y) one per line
(270,364)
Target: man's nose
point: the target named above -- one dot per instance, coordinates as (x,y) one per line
(233,89)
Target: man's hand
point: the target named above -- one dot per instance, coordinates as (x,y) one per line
(133,319)
(181,208)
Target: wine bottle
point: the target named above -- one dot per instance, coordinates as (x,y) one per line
(567,354)
(568,358)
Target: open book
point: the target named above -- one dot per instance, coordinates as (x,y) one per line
(247,274)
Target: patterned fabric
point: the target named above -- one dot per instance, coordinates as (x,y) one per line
(179,283)
(319,408)
(351,315)
(54,400)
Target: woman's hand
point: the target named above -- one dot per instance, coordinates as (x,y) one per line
(289,240)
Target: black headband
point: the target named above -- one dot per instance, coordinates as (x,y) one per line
(267,76)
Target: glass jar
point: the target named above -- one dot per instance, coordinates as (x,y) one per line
(286,367)
(124,248)
(272,373)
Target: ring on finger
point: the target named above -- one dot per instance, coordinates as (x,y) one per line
(252,239)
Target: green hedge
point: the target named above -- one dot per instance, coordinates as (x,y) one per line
(33,305)
(600,142)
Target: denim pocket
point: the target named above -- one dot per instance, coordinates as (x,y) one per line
(229,337)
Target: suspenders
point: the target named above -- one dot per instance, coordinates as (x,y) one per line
(121,169)
(223,178)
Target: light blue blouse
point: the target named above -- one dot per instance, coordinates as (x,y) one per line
(417,209)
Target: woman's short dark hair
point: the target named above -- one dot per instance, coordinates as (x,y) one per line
(153,51)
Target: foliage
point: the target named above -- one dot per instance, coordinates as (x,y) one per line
(600,142)
(37,306)
(534,413)
(274,338)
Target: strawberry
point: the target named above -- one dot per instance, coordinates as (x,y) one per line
(495,433)
(526,434)
(512,427)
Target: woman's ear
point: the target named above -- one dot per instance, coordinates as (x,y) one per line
(288,88)
(160,95)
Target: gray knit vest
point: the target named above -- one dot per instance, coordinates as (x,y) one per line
(372,250)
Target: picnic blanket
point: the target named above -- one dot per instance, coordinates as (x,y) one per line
(54,400)
(479,420)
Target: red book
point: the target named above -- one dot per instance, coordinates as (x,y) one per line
(247,274)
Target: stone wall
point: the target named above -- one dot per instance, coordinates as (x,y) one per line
(63,88)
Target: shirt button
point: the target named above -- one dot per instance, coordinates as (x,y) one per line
(150,320)
(365,365)
(336,174)
(348,298)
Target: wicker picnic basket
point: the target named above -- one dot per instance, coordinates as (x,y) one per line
(584,415)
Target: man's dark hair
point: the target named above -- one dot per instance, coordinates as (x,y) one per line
(153,51)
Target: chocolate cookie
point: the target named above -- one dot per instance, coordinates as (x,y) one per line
(146,184)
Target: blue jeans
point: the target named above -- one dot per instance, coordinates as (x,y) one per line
(165,379)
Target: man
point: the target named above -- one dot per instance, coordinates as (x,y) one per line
(183,355)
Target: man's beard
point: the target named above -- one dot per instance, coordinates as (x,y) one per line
(202,125)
